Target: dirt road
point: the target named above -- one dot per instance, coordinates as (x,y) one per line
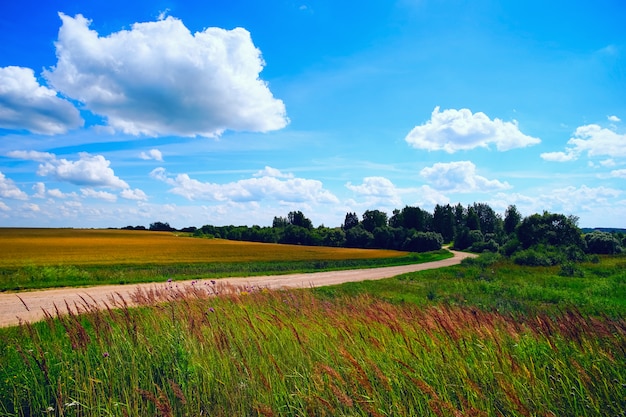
(30,305)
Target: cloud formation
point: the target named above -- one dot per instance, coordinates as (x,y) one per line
(275,187)
(593,140)
(160,79)
(92,170)
(8,189)
(26,105)
(460,177)
(154,154)
(377,190)
(455,130)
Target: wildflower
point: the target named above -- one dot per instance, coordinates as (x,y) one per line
(211,309)
(213,282)
(169,280)
(105,355)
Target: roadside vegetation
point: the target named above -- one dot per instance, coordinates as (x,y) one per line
(485,338)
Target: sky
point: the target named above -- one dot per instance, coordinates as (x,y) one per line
(234,112)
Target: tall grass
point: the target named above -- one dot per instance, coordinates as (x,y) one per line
(255,352)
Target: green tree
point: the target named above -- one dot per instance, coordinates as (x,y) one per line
(351,220)
(373,219)
(443,221)
(602,243)
(512,218)
(472,221)
(296,218)
(549,229)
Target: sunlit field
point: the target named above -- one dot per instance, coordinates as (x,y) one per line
(47,258)
(21,247)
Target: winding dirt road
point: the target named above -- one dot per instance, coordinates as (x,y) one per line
(30,305)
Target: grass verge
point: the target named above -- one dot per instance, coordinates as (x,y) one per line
(48,276)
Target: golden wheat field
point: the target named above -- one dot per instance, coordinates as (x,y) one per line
(21,246)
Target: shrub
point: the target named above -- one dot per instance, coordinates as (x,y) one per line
(602,243)
(423,242)
(533,257)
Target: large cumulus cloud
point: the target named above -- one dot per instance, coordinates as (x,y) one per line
(160,79)
(453,130)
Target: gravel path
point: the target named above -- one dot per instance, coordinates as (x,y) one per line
(30,305)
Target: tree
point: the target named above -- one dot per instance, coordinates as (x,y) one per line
(488,219)
(373,219)
(512,218)
(443,221)
(602,243)
(161,227)
(423,242)
(358,237)
(296,218)
(472,221)
(549,229)
(280,222)
(351,220)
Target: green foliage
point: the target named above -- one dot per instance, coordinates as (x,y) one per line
(549,229)
(423,242)
(602,243)
(317,352)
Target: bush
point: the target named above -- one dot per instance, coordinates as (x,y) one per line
(533,257)
(489,246)
(602,243)
(423,242)
(570,269)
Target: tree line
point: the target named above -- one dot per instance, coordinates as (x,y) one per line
(538,239)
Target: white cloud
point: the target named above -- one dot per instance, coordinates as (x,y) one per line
(4,207)
(460,177)
(8,189)
(32,207)
(614,119)
(454,130)
(608,163)
(31,155)
(135,194)
(618,173)
(154,154)
(24,104)
(272,172)
(598,141)
(160,79)
(90,170)
(56,193)
(593,140)
(378,191)
(101,195)
(559,156)
(289,190)
(40,190)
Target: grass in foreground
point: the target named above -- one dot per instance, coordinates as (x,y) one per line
(294,353)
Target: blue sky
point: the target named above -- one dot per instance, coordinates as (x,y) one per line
(233,112)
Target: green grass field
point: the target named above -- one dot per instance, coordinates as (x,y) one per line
(486,338)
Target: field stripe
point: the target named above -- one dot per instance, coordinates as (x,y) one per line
(30,305)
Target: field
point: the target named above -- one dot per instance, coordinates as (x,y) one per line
(43,258)
(485,338)
(22,247)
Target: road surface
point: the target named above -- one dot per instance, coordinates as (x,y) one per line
(30,305)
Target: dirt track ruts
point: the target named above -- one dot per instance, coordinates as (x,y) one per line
(30,305)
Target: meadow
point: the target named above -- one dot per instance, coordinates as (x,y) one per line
(485,338)
(43,258)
